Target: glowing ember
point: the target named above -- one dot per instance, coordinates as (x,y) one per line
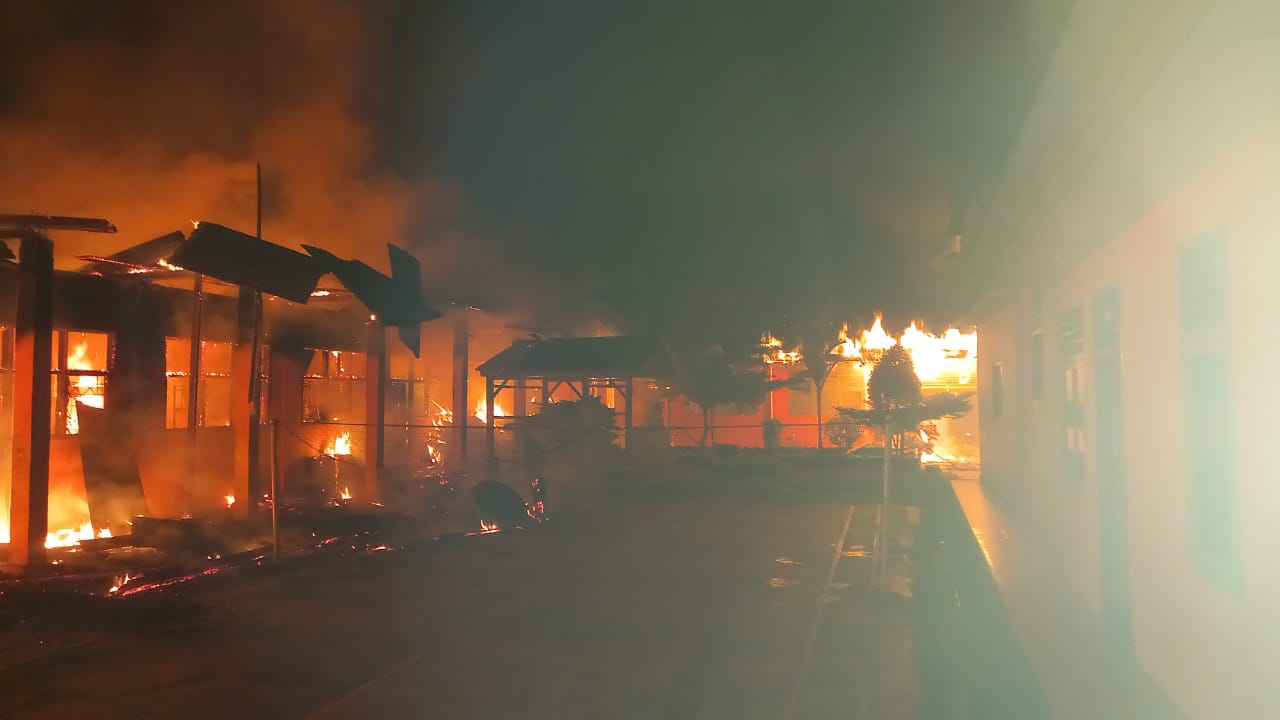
(340,445)
(483,417)
(321,293)
(487,528)
(346,493)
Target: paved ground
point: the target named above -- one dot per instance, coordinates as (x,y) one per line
(708,607)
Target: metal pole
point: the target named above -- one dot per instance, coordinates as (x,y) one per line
(882,531)
(275,527)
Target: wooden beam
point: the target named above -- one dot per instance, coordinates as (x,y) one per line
(33,358)
(628,416)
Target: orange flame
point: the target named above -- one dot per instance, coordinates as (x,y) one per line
(346,493)
(483,417)
(231,499)
(340,445)
(486,528)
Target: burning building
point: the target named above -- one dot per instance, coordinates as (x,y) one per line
(150,375)
(945,363)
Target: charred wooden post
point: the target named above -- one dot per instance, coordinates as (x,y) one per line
(245,414)
(375,384)
(33,356)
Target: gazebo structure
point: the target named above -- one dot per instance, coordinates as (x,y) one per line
(566,368)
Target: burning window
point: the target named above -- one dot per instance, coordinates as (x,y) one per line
(333,387)
(78,376)
(214,391)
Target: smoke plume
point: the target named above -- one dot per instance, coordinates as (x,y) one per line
(153,114)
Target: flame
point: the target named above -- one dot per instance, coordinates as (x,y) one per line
(497,411)
(346,493)
(937,358)
(231,499)
(119,582)
(774,353)
(876,338)
(845,346)
(321,293)
(340,445)
(168,265)
(486,528)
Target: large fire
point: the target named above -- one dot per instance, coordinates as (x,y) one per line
(483,417)
(943,363)
(951,356)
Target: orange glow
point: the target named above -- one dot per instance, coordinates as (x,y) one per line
(486,528)
(119,582)
(340,445)
(231,499)
(346,493)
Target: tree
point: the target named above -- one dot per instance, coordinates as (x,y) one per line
(817,339)
(898,405)
(712,380)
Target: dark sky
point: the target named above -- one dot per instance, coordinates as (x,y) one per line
(703,165)
(717,161)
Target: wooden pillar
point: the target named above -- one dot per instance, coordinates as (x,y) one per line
(628,416)
(461,408)
(244,404)
(489,394)
(521,392)
(546,394)
(375,408)
(33,356)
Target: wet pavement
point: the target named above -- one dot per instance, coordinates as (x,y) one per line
(717,606)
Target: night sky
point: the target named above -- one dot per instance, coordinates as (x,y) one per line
(663,166)
(722,161)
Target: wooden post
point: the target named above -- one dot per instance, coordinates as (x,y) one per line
(244,407)
(375,407)
(33,356)
(461,407)
(628,417)
(546,394)
(489,393)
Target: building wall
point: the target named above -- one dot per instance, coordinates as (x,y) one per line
(1201,623)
